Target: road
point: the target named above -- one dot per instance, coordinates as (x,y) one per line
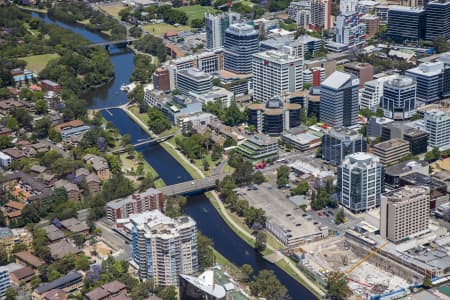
(114,240)
(286,259)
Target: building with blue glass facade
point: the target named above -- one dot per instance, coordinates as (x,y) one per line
(339,99)
(241,42)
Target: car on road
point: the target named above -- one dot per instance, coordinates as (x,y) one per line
(298,224)
(315,223)
(331,212)
(288,215)
(319,213)
(304,215)
(326,214)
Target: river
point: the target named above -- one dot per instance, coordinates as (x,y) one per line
(209,222)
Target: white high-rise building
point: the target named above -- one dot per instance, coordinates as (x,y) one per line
(215,26)
(347,6)
(360,182)
(437,123)
(311,13)
(350,29)
(4,281)
(163,247)
(300,12)
(372,92)
(276,73)
(404,212)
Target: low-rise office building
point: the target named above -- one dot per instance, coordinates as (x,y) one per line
(393,173)
(274,116)
(193,81)
(363,71)
(259,147)
(437,189)
(215,95)
(391,151)
(302,138)
(174,108)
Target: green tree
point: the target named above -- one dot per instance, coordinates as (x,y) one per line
(157,122)
(261,241)
(19,247)
(198,23)
(82,263)
(283,176)
(3,256)
(12,123)
(301,189)
(41,107)
(340,216)
(126,139)
(258,177)
(433,155)
(268,286)
(427,284)
(440,43)
(206,257)
(5,142)
(246,271)
(337,286)
(136,31)
(41,127)
(243,173)
(11,294)
(23,117)
(168,293)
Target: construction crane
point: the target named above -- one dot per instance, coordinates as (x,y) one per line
(360,262)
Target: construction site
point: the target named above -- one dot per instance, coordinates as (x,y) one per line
(365,277)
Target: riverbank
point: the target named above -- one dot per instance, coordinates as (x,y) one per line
(171,149)
(285,263)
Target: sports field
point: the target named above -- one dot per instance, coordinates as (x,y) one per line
(196,11)
(160,29)
(37,63)
(113,9)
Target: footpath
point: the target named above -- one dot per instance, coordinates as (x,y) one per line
(224,212)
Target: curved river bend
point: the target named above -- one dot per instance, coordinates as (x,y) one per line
(198,207)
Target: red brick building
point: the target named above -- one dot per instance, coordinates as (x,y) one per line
(149,200)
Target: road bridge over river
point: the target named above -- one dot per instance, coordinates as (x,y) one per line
(195,185)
